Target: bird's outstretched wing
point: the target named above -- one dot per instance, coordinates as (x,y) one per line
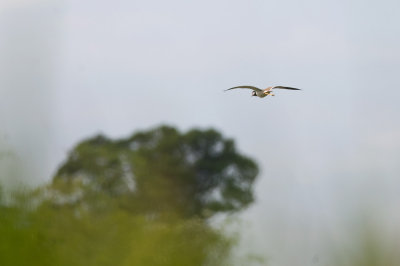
(286,88)
(245,87)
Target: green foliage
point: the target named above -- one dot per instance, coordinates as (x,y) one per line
(136,201)
(22,242)
(162,170)
(72,235)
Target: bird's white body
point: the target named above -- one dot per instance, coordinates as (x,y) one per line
(262,93)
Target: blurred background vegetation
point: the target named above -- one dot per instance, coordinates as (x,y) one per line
(144,200)
(151,199)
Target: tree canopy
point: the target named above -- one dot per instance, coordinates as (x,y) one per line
(141,200)
(197,173)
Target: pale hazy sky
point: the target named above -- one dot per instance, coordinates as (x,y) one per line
(71,69)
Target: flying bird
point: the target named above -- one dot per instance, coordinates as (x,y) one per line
(262,93)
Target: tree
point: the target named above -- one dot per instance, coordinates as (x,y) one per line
(197,173)
(142,200)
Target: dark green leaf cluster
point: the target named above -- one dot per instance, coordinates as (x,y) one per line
(197,173)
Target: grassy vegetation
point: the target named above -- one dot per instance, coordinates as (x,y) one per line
(75,235)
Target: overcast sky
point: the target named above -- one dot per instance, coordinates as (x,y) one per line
(71,69)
